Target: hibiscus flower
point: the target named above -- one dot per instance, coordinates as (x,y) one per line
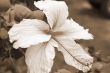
(41,39)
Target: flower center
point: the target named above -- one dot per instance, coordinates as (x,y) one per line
(52,33)
(56,33)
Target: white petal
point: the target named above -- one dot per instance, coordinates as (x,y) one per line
(39,58)
(28,32)
(73,30)
(53,43)
(47,0)
(55,11)
(74,54)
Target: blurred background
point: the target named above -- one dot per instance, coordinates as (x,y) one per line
(92,14)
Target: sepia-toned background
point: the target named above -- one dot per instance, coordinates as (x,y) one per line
(84,14)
